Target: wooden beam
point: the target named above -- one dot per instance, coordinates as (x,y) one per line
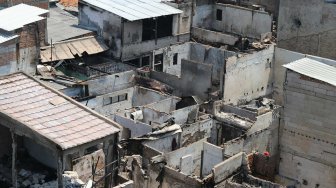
(14,155)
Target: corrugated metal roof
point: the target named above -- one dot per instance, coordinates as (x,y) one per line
(68,49)
(17,16)
(135,9)
(6,37)
(49,114)
(314,69)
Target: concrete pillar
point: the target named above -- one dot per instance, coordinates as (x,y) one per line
(14,155)
(109,158)
(59,169)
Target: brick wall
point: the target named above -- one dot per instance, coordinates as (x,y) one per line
(7,55)
(38,3)
(33,35)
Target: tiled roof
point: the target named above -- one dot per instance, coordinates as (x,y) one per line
(50,114)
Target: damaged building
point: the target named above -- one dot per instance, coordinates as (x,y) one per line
(167,93)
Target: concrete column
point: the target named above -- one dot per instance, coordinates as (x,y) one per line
(14,155)
(108,152)
(59,169)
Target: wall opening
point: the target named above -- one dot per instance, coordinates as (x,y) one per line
(133,62)
(157,28)
(158,65)
(219,15)
(145,61)
(175,58)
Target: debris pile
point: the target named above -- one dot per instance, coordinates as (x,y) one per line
(29,179)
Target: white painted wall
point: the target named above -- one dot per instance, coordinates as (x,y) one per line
(212,155)
(248,76)
(251,23)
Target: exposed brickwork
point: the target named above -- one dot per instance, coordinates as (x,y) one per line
(33,35)
(7,53)
(38,3)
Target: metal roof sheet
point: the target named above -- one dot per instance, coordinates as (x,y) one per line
(135,9)
(68,49)
(314,69)
(6,37)
(19,15)
(63,26)
(50,114)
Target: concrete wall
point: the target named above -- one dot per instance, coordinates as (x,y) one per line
(176,179)
(136,128)
(212,155)
(166,105)
(196,131)
(173,158)
(164,143)
(108,26)
(143,96)
(181,115)
(135,50)
(182,22)
(213,36)
(192,72)
(182,51)
(269,5)
(307,26)
(226,168)
(308,138)
(242,21)
(132,32)
(152,116)
(249,76)
(83,165)
(136,96)
(212,56)
(110,83)
(203,16)
(258,141)
(196,52)
(199,73)
(100,105)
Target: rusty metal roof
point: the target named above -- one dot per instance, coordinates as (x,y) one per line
(50,114)
(68,49)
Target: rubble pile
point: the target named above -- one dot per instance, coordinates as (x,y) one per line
(29,179)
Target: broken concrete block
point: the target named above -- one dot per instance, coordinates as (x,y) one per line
(26,183)
(24,173)
(72,174)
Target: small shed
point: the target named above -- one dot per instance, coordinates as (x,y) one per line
(32,110)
